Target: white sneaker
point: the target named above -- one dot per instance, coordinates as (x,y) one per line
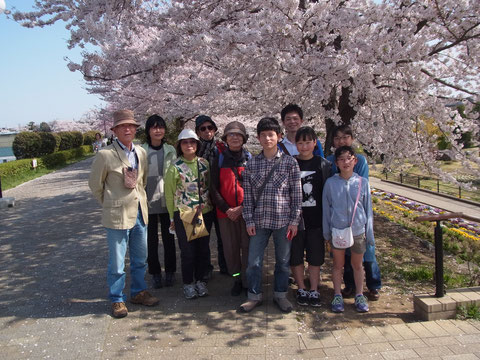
(201,288)
(189,291)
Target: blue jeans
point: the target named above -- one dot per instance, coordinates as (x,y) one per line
(256,251)
(372,274)
(136,239)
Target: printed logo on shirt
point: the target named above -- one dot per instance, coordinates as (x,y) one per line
(307,189)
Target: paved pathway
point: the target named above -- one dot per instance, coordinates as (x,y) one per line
(53,301)
(428,198)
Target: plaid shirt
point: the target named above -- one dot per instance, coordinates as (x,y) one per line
(281,201)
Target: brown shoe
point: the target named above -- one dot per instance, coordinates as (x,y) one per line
(144,298)
(119,310)
(373,295)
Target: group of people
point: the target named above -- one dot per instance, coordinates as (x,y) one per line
(289,191)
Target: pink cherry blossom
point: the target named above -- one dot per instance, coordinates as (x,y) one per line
(381,67)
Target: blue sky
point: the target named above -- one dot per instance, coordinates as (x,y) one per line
(35,83)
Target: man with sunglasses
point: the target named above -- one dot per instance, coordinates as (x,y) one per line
(206,128)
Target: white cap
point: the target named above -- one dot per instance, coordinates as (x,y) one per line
(187,134)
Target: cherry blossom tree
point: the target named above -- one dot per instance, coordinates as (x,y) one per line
(381,67)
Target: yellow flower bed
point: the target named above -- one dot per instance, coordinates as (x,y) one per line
(463,233)
(411,215)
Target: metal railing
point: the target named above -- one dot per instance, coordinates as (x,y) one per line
(438,236)
(434,184)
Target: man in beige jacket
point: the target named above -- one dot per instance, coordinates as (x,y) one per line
(117,180)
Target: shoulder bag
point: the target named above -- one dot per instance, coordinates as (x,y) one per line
(192,218)
(343,238)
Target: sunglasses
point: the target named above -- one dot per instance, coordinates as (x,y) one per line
(208,127)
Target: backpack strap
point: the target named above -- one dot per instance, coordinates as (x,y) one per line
(220,160)
(267,178)
(282,146)
(358,197)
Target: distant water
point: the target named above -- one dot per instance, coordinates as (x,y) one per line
(6,154)
(6,151)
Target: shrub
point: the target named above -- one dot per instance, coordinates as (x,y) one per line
(26,145)
(16,167)
(66,141)
(50,143)
(61,157)
(44,127)
(77,139)
(443,143)
(89,137)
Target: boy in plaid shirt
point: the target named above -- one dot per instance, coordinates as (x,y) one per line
(276,211)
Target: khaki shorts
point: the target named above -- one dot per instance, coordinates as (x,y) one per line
(359,244)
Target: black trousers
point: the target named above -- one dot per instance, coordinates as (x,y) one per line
(222,263)
(169,252)
(195,254)
(372,274)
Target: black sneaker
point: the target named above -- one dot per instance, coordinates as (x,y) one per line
(302,297)
(314,298)
(237,288)
(348,292)
(157,281)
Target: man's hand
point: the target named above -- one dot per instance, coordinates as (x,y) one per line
(293,230)
(251,230)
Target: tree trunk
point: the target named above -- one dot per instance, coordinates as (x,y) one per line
(346,112)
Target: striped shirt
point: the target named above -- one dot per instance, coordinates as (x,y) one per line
(281,201)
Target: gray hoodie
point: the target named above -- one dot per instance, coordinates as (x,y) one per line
(338,202)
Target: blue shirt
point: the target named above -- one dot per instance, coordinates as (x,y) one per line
(361,168)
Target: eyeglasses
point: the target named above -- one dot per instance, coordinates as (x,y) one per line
(234,135)
(208,127)
(346,159)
